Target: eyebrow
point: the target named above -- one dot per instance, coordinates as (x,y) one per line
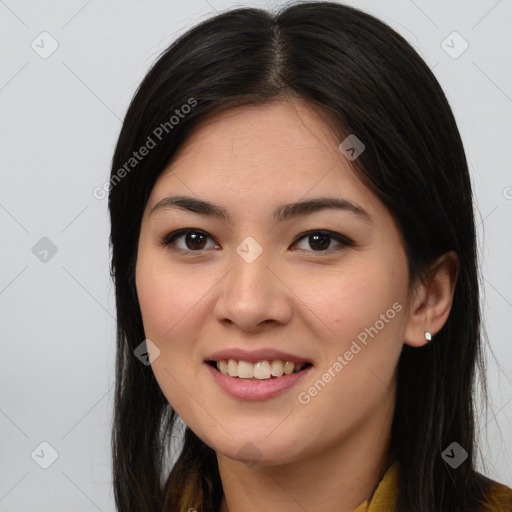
(281,213)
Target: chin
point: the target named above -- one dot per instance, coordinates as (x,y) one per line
(258,450)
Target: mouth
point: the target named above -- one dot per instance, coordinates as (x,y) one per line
(259,371)
(265,376)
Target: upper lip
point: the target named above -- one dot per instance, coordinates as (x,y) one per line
(254,356)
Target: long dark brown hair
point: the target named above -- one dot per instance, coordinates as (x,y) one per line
(371,82)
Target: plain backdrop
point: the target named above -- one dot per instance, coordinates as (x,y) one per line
(60,115)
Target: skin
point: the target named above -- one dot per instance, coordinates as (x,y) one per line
(327,454)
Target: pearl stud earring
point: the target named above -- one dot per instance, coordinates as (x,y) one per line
(428,336)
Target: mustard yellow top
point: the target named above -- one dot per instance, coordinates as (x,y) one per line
(499,498)
(384,497)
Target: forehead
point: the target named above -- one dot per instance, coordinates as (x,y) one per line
(250,144)
(288,124)
(260,156)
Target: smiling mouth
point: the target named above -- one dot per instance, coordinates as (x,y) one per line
(297,368)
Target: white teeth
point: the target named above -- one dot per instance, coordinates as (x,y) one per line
(245,370)
(262,370)
(222,366)
(288,368)
(232,368)
(277,368)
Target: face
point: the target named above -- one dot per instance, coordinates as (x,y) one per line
(326,286)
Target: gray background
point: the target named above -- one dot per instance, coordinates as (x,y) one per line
(60,117)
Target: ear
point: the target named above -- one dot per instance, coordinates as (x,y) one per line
(433,300)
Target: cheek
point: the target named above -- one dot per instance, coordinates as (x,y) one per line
(167,301)
(348,302)
(167,298)
(365,310)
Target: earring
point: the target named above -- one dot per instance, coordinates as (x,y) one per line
(428,336)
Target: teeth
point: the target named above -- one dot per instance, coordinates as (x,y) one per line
(276,368)
(262,370)
(245,370)
(288,368)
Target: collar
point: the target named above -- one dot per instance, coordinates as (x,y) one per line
(385,495)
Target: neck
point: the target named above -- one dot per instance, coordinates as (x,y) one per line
(338,479)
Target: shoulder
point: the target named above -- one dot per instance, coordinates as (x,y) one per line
(498,498)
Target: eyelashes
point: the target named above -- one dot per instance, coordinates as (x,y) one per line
(318,237)
(321,235)
(199,235)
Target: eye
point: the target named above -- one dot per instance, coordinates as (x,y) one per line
(320,240)
(194,240)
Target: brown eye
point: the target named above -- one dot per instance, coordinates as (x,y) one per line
(319,241)
(193,240)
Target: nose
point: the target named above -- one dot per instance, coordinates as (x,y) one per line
(253,294)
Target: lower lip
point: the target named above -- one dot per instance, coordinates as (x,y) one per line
(246,389)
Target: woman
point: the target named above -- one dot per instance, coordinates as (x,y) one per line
(296,275)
